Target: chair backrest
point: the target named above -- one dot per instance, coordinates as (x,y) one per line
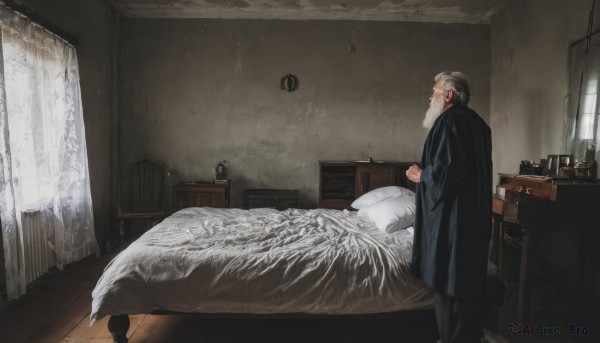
(145,185)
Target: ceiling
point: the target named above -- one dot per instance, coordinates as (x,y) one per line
(443,11)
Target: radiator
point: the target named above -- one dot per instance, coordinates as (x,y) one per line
(37,253)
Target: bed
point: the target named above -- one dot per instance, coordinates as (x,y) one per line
(264,262)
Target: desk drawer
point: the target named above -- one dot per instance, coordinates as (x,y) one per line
(534,187)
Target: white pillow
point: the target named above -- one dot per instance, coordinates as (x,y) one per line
(391,214)
(379,194)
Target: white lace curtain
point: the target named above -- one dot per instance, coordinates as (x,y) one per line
(43,156)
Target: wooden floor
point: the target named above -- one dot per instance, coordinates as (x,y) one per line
(56,309)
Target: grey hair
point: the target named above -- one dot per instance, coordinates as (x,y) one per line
(457,83)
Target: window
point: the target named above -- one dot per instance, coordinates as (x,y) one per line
(43,154)
(583,108)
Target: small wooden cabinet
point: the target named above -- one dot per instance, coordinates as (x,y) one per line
(341,182)
(200,194)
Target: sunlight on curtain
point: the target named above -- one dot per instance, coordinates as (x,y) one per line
(42,146)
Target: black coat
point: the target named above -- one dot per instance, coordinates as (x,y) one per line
(454,204)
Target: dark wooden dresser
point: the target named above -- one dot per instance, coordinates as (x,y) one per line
(200,194)
(525,208)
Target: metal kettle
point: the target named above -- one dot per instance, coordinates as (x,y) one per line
(565,161)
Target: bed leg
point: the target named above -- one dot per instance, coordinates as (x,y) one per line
(118,326)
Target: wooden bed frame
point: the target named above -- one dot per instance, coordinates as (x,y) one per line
(118,325)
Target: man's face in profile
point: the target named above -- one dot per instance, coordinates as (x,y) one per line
(436,106)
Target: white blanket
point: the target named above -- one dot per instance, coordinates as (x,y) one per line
(207,260)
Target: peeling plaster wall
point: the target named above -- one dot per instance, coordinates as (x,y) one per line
(194,92)
(92,23)
(530,49)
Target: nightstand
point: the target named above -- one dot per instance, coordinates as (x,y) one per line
(201,194)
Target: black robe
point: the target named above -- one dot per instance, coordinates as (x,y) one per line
(454,205)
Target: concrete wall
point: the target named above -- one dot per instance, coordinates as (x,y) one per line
(92,22)
(530,82)
(194,92)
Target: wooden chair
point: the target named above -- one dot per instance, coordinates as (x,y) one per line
(145,194)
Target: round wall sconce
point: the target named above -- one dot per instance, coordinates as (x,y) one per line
(289,83)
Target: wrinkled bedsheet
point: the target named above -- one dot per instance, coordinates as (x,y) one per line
(208,260)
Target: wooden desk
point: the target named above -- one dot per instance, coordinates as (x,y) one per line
(200,194)
(538,206)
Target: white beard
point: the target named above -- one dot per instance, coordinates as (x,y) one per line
(433,112)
